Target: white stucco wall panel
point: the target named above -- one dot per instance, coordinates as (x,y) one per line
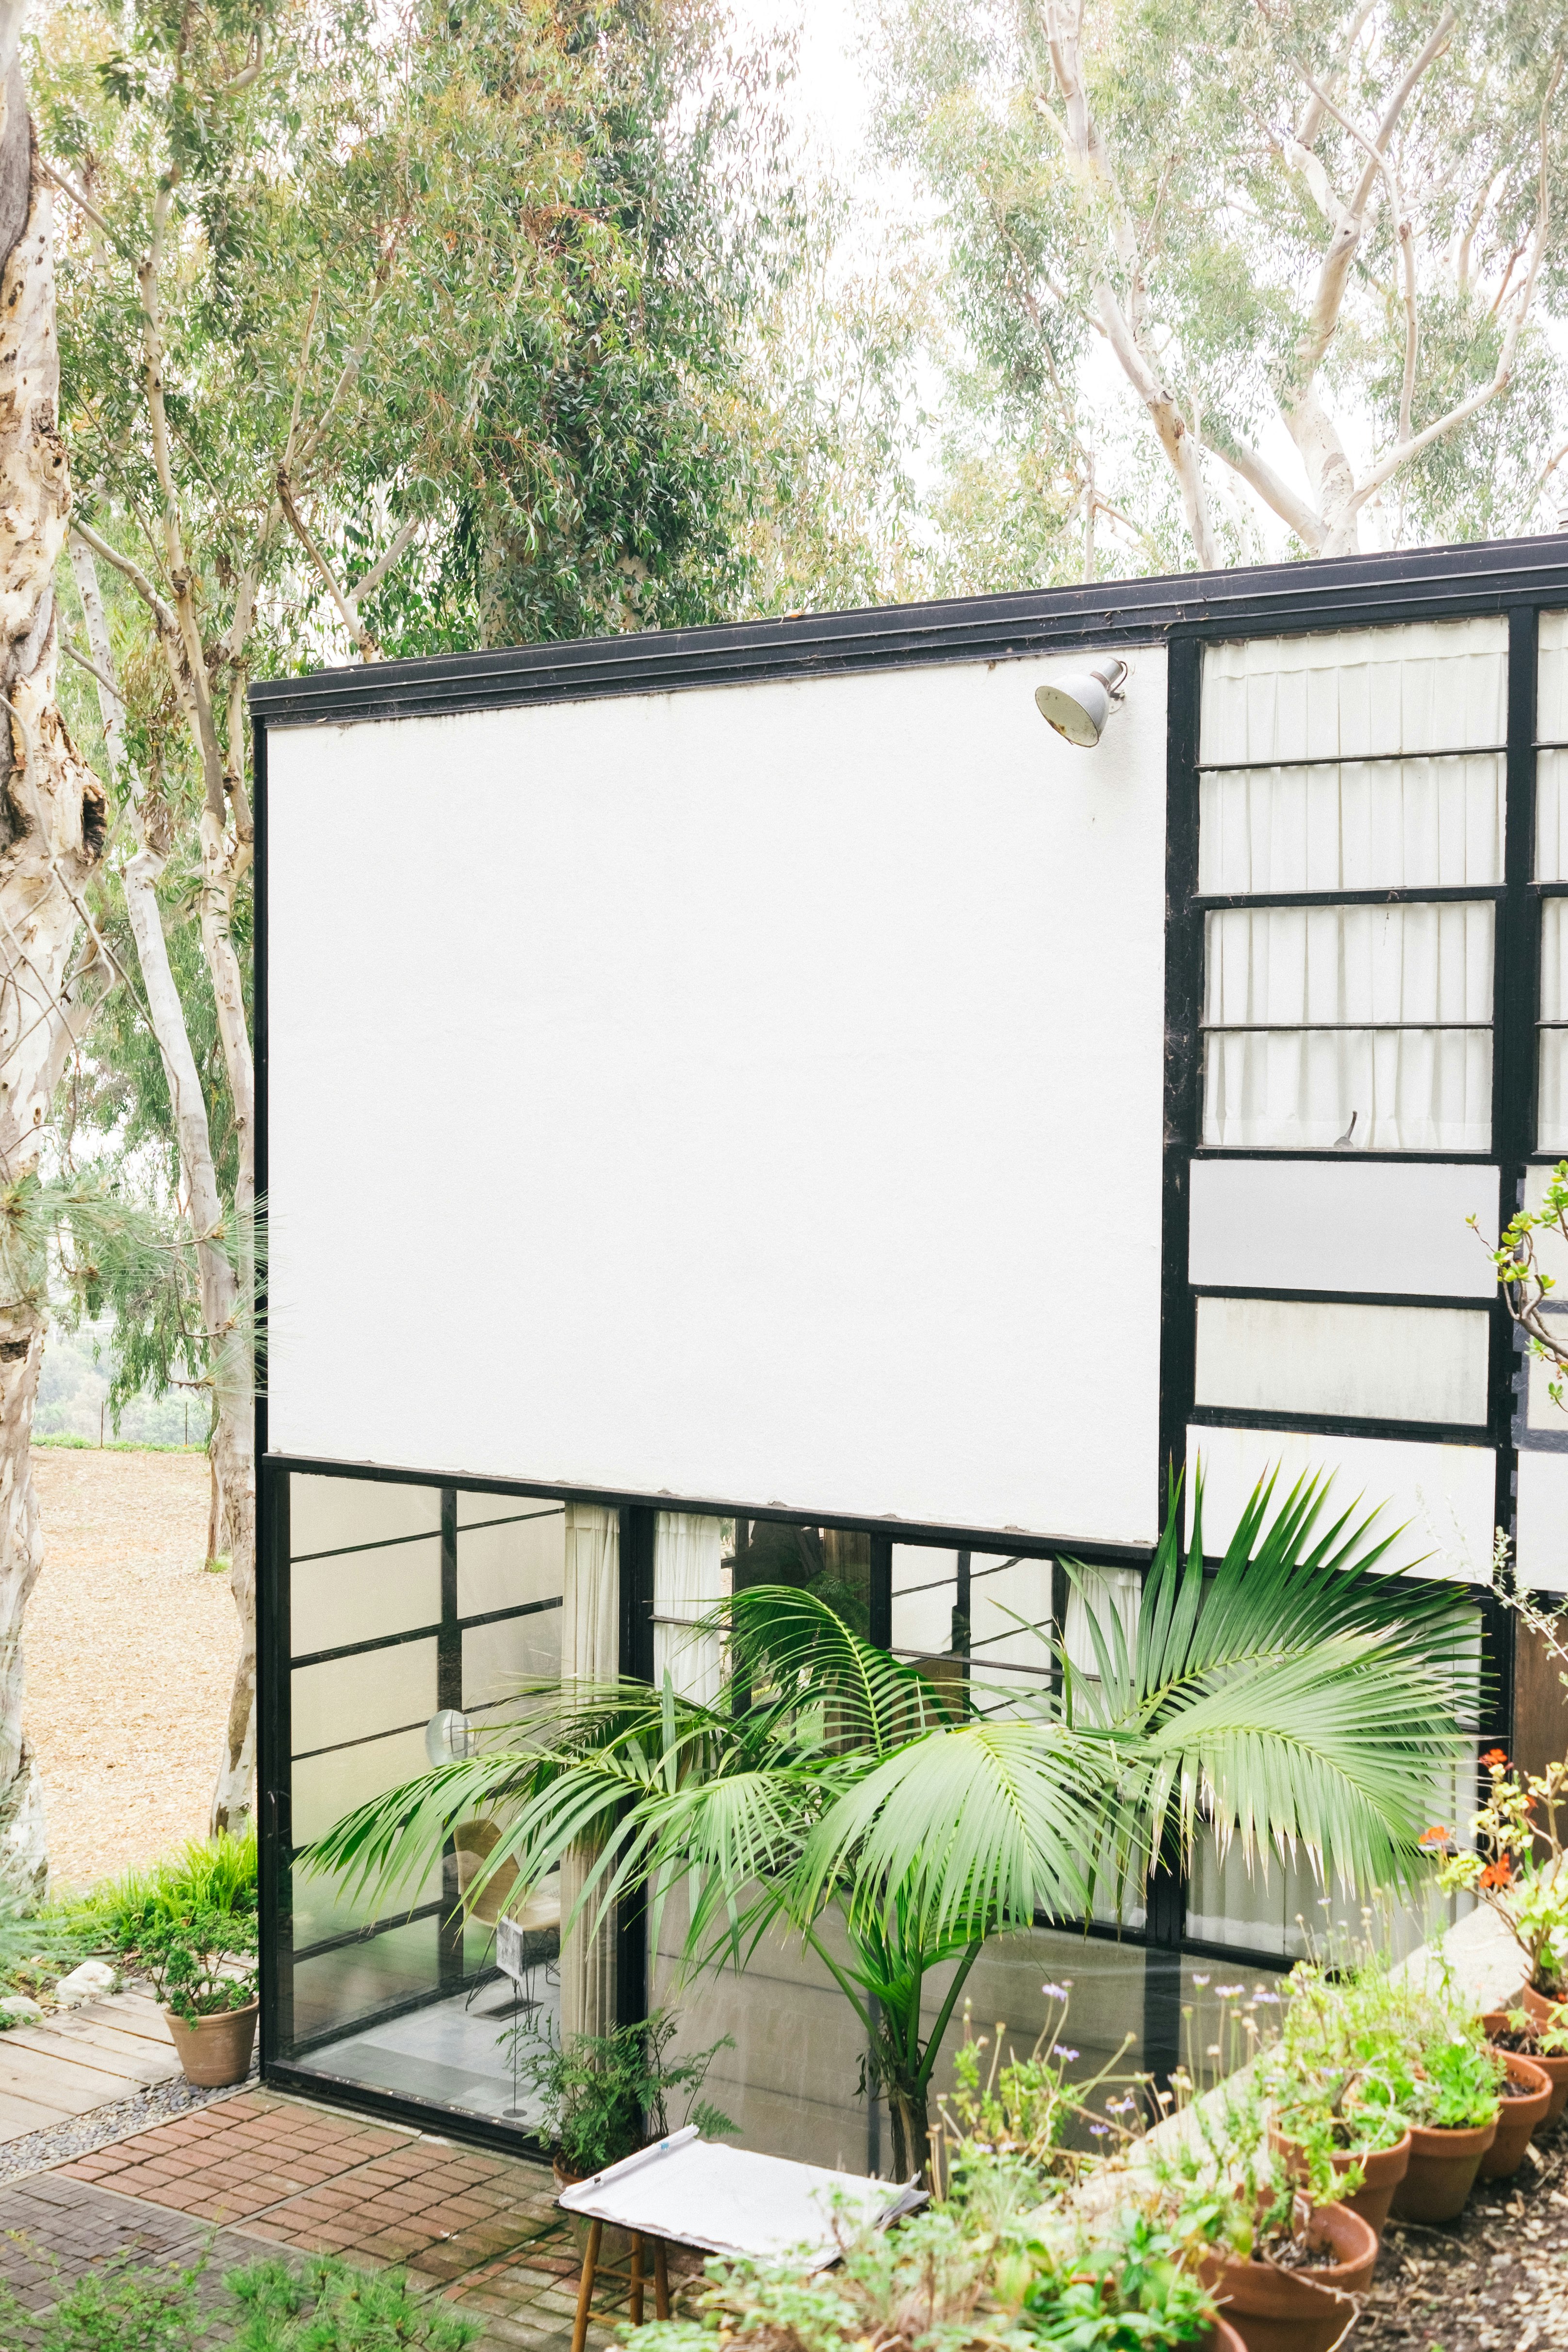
(719,1093)
(1442,1498)
(1332,1225)
(1543,1503)
(1370,1363)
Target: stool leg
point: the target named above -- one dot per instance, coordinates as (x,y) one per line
(637,2278)
(585,2293)
(660,2280)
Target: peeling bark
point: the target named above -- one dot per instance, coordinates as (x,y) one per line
(51,837)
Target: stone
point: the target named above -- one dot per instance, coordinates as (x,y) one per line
(89,1982)
(19,2008)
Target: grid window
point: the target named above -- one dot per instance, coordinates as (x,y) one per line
(1367,760)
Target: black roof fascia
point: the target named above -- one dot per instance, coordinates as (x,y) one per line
(1346,592)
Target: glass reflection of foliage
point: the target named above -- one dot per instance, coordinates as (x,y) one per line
(830,1562)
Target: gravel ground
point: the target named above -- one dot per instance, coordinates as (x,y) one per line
(100,2126)
(1494,2281)
(129,1649)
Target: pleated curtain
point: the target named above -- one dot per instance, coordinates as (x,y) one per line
(590,1652)
(687,1580)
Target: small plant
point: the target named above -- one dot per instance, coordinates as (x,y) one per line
(1018,2110)
(606,2094)
(324,2307)
(204,1874)
(202,1964)
(1515,1868)
(1221,2186)
(1132,2293)
(1456,2080)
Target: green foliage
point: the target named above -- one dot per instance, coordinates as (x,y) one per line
(325,2306)
(208,1875)
(1295,1699)
(605,2096)
(1457,2084)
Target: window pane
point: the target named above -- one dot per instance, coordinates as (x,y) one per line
(1271,966)
(1552,1116)
(508,1558)
(1377,1363)
(1551,694)
(1429,686)
(1552,817)
(828,1560)
(1360,1090)
(1360,825)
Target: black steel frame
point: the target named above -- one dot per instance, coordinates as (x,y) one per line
(1184,612)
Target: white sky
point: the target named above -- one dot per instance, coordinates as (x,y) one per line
(829,96)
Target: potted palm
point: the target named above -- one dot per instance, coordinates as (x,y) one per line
(927,1822)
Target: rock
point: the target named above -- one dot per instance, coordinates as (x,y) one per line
(19,2008)
(89,1982)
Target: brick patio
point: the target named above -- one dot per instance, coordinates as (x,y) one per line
(262,2173)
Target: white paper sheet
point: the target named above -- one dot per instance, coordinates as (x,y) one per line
(730,2200)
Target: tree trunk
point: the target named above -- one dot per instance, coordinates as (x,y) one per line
(222,1295)
(214,1502)
(51,837)
(908,2114)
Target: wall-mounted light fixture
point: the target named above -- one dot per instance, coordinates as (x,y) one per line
(1079,705)
(448,1736)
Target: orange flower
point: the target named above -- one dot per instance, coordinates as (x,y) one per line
(1437,1835)
(1494,1759)
(1499,1872)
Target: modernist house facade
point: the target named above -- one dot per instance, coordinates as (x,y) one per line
(755,1103)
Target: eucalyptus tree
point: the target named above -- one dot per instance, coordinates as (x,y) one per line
(1316,240)
(382,332)
(1297,1699)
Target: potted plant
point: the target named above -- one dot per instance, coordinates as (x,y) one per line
(1453,2102)
(1516,1871)
(1338,2082)
(1284,2257)
(204,1970)
(1519,2032)
(605,2095)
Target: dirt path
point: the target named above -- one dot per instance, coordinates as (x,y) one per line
(130,1649)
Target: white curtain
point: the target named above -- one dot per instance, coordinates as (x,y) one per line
(1334,1026)
(1552,1125)
(1277,1079)
(590,1652)
(687,1580)
(1358,825)
(1429,686)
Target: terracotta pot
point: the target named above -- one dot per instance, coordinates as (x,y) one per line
(214,2050)
(1545,2011)
(1555,2070)
(1384,2168)
(1441,2173)
(1222,2337)
(1297,2311)
(1519,2118)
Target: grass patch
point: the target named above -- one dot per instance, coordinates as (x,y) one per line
(64,1442)
(325,2306)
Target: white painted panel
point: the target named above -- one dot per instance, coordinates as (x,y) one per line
(1541,1412)
(1551,1250)
(1370,1363)
(1429,686)
(1440,1498)
(1543,1509)
(1552,817)
(358,1698)
(357,1596)
(709,1092)
(1316,1224)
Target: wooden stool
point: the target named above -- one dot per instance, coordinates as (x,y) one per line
(590,2271)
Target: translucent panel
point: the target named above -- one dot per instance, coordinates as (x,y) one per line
(1377,1363)
(1552,817)
(333,1514)
(1552,688)
(498,1658)
(1426,686)
(359,1596)
(1349,964)
(1002,1590)
(515,1560)
(925,1601)
(328,1787)
(1438,1502)
(324,1910)
(340,1988)
(359,1698)
(1357,1090)
(1315,1224)
(1551,1114)
(1541,1413)
(1543,1520)
(464,2051)
(1285,1908)
(1551,1251)
(1361,825)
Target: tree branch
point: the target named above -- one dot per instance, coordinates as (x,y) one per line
(1404,240)
(369,650)
(1277,494)
(166,622)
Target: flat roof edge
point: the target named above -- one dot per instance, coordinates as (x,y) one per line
(1344,592)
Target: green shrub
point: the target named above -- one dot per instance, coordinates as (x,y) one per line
(323,2306)
(204,1874)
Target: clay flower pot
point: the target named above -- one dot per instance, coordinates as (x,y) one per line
(1297,2311)
(214,2050)
(614,2243)
(1441,2173)
(1384,2168)
(1222,2337)
(1519,2118)
(1555,2069)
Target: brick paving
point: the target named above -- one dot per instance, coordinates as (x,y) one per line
(265,2173)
